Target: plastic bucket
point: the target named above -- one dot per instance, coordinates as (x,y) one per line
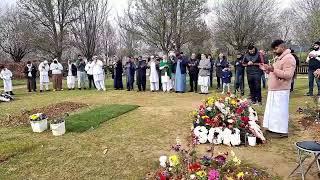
(58,129)
(252,141)
(39,126)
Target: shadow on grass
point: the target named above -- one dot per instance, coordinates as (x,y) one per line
(94,117)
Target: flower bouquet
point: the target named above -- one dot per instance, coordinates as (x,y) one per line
(225,120)
(39,122)
(185,164)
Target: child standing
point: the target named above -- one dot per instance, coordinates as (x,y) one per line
(226,79)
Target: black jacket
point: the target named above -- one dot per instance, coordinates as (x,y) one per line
(73,70)
(33,71)
(220,65)
(193,67)
(255,58)
(239,68)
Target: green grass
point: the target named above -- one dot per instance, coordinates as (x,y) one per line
(15,82)
(94,117)
(134,140)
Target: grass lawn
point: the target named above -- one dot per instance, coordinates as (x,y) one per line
(128,146)
(15,82)
(92,118)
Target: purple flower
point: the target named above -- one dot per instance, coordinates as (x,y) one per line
(214,175)
(221,160)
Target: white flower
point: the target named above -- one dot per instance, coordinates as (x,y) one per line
(230,121)
(209,108)
(163,161)
(201,133)
(192,176)
(218,138)
(170,169)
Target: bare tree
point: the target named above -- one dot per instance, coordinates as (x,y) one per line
(15,34)
(164,24)
(51,19)
(239,22)
(109,40)
(92,16)
(307,13)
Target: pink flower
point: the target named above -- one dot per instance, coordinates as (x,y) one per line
(213,175)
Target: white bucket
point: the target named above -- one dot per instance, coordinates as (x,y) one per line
(252,141)
(39,126)
(58,129)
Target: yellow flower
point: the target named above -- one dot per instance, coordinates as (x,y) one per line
(233,102)
(233,154)
(205,117)
(240,175)
(34,116)
(195,113)
(174,160)
(236,160)
(201,173)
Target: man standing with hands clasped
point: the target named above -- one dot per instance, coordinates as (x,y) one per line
(276,116)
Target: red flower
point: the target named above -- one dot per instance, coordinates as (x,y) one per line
(242,125)
(194,167)
(239,110)
(245,119)
(161,175)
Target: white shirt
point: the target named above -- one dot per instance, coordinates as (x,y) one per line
(43,69)
(97,67)
(317,53)
(56,68)
(89,68)
(5,74)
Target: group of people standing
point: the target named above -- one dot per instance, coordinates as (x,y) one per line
(168,73)
(87,74)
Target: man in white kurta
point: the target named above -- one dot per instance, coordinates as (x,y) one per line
(154,76)
(98,73)
(6,76)
(276,116)
(44,75)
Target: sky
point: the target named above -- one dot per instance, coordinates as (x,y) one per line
(119,5)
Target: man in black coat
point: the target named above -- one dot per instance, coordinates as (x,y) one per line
(239,72)
(141,68)
(117,75)
(193,73)
(30,72)
(220,64)
(252,60)
(211,69)
(295,73)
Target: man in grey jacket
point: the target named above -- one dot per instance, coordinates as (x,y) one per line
(81,73)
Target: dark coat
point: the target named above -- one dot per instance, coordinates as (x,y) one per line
(33,71)
(255,58)
(141,68)
(193,67)
(220,65)
(73,70)
(183,66)
(239,68)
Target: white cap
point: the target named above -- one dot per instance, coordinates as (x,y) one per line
(45,62)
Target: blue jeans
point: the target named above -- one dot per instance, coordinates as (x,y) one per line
(239,81)
(311,79)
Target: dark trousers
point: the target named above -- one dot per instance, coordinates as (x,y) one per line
(31,84)
(91,81)
(211,78)
(263,78)
(239,83)
(130,81)
(218,82)
(292,85)
(254,82)
(311,79)
(193,82)
(141,82)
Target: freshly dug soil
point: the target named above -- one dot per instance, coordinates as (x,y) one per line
(52,111)
(309,123)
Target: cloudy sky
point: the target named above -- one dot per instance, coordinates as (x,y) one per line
(118,5)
